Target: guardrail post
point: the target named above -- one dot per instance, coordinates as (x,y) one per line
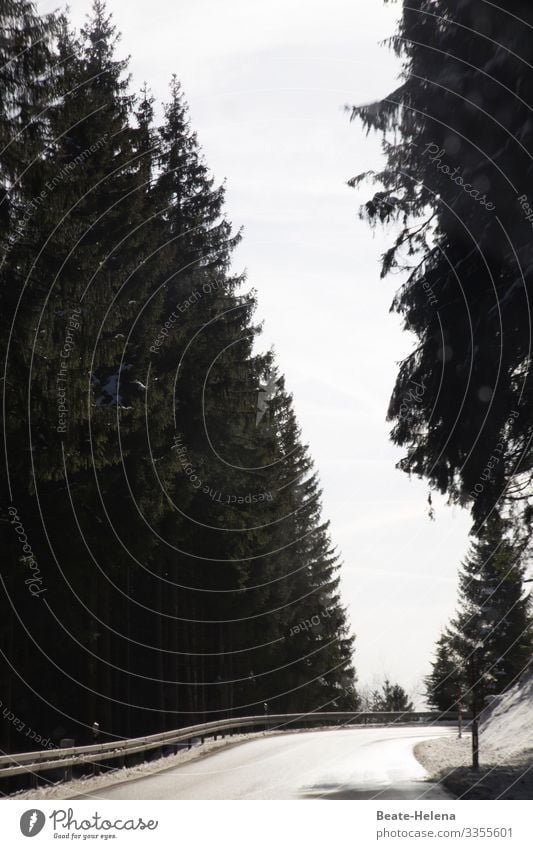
(67,743)
(475,743)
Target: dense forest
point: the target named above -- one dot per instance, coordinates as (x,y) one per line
(165,560)
(456,191)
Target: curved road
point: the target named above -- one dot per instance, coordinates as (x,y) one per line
(357,763)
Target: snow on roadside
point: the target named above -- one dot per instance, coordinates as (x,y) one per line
(88,784)
(444,753)
(507,723)
(505,751)
(500,776)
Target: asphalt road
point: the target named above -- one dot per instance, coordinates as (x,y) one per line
(359,763)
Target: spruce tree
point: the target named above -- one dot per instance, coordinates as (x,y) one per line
(27,86)
(392,697)
(444,685)
(455,137)
(489,642)
(305,580)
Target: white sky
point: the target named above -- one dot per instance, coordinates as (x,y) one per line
(266,84)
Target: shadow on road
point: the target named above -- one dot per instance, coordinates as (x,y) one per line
(404,790)
(492,782)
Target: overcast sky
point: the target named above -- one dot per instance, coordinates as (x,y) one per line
(266,84)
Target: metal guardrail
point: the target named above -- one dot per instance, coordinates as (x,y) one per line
(40,761)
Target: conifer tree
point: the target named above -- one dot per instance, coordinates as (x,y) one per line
(455,137)
(319,647)
(489,642)
(392,697)
(26,87)
(444,685)
(26,83)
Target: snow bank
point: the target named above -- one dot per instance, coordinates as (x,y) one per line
(505,751)
(86,784)
(507,726)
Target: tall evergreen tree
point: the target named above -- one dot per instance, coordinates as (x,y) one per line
(27,85)
(457,183)
(444,685)
(322,651)
(489,643)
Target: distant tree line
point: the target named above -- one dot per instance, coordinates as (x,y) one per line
(161,520)
(387,697)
